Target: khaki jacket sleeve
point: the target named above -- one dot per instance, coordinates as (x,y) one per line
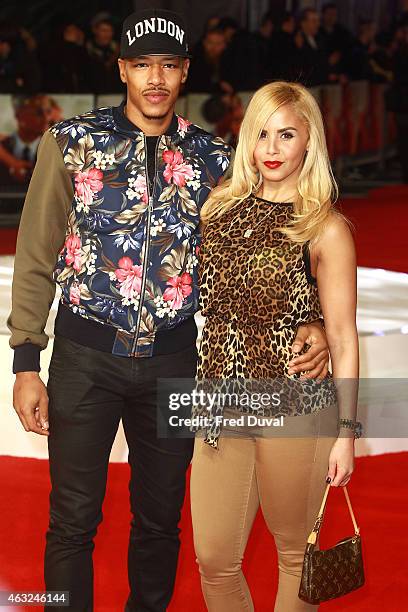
(40,238)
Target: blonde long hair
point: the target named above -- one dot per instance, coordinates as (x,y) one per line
(316,187)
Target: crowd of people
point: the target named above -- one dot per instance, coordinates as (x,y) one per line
(312,48)
(67,61)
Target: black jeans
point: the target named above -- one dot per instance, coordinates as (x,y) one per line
(89,392)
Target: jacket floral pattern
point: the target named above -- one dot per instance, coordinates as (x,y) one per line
(130,256)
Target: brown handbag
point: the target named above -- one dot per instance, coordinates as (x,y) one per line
(333,572)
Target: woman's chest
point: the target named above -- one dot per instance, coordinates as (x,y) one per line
(257,258)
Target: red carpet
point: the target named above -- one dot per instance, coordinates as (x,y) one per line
(8,237)
(380,222)
(379,496)
(379,219)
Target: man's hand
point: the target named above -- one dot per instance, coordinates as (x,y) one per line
(19,170)
(30,400)
(316,360)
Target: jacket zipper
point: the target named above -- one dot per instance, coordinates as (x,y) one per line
(147,243)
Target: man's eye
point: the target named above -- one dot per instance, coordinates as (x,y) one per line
(139,65)
(170,66)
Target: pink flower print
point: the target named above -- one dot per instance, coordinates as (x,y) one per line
(183,125)
(176,169)
(75,294)
(73,252)
(87,184)
(140,186)
(129,277)
(180,288)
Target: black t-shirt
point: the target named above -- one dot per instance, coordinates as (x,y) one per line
(151,142)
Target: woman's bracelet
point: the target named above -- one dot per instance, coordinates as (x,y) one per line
(356,426)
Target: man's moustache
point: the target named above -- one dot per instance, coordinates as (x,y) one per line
(155,91)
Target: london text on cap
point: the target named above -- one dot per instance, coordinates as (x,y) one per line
(155,24)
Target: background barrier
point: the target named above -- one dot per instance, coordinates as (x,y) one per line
(359,129)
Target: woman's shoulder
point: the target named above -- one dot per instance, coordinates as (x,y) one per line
(222,210)
(336,227)
(336,234)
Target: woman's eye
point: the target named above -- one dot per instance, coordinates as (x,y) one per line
(287,134)
(262,135)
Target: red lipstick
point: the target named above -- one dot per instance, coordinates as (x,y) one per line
(273,164)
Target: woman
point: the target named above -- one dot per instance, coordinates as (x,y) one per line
(275,255)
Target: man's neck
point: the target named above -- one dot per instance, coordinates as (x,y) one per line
(150,127)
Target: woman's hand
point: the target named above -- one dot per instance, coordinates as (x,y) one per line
(341,461)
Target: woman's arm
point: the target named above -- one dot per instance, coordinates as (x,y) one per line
(336,274)
(333,262)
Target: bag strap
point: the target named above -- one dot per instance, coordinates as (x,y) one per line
(316,528)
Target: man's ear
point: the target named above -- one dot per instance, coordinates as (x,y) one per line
(186,65)
(122,70)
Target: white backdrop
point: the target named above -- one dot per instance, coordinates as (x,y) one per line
(382,324)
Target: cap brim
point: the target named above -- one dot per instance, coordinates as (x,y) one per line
(139,52)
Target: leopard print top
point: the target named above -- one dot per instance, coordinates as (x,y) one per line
(255,290)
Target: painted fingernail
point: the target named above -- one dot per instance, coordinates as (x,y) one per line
(328,479)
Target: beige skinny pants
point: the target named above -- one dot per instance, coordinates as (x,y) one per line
(286,476)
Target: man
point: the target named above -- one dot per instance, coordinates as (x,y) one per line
(115,198)
(241,56)
(283,49)
(20,71)
(262,41)
(103,53)
(65,60)
(19,150)
(336,40)
(312,58)
(208,70)
(332,34)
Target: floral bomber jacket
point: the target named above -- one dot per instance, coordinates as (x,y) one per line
(121,243)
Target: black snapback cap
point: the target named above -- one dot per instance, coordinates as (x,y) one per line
(154,32)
